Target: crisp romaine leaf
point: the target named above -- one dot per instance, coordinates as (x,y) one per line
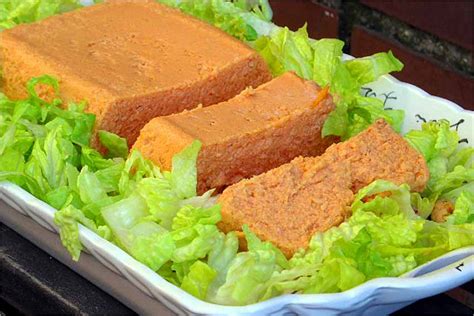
(255,244)
(435,139)
(198,279)
(463,210)
(184,171)
(151,244)
(166,193)
(194,242)
(67,220)
(452,195)
(229,16)
(14,12)
(59,197)
(189,216)
(451,168)
(109,177)
(337,121)
(342,84)
(123,215)
(327,56)
(162,201)
(181,270)
(336,275)
(463,157)
(7,138)
(136,168)
(89,186)
(369,69)
(94,160)
(458,177)
(290,281)
(219,259)
(399,196)
(248,273)
(145,240)
(116,145)
(12,161)
(422,205)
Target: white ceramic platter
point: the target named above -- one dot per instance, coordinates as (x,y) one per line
(378,296)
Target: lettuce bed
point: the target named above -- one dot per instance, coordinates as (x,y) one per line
(157,218)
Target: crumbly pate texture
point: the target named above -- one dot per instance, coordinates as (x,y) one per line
(289,204)
(258,130)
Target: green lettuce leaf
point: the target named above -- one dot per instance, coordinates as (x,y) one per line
(451,167)
(168,191)
(369,69)
(327,57)
(195,240)
(116,145)
(145,240)
(219,259)
(184,172)
(398,201)
(90,187)
(436,142)
(197,281)
(230,16)
(463,210)
(248,272)
(67,220)
(14,12)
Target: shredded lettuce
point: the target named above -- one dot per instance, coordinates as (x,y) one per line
(197,281)
(451,168)
(230,16)
(248,272)
(463,210)
(14,12)
(116,145)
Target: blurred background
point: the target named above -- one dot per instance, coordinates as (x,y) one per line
(434,39)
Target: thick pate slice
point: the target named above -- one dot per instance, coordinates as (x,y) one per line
(131,62)
(256,131)
(289,204)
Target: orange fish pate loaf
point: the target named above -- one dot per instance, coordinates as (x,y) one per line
(289,204)
(256,131)
(131,62)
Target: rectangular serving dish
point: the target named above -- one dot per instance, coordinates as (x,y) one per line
(378,296)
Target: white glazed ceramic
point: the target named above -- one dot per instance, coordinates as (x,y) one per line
(378,296)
